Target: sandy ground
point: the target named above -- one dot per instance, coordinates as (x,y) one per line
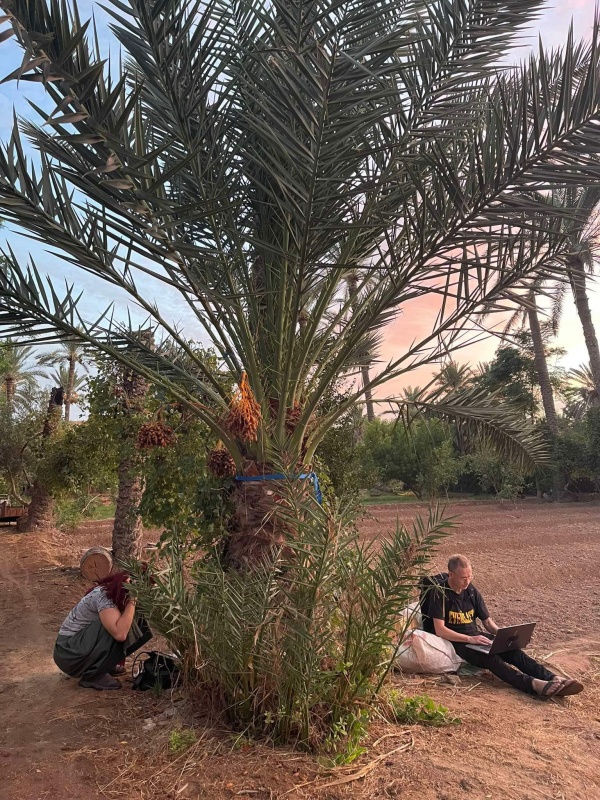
(531,562)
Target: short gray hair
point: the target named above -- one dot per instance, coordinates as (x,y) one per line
(458,562)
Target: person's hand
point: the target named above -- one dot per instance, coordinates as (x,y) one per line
(480,640)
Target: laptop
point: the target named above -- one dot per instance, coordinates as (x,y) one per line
(515,637)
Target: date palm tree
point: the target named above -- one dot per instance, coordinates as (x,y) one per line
(581,261)
(17,371)
(581,392)
(579,256)
(249,153)
(67,358)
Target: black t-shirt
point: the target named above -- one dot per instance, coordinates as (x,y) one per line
(459,611)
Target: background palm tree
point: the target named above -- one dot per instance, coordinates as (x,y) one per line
(453,376)
(70,354)
(64,376)
(581,392)
(40,511)
(249,155)
(580,250)
(582,260)
(17,373)
(352,281)
(541,364)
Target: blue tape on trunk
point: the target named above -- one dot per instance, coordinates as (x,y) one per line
(311,476)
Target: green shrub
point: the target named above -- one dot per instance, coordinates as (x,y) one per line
(345,738)
(296,649)
(419,710)
(67,514)
(496,474)
(180,740)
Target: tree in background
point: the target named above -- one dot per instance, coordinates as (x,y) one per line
(19,377)
(340,456)
(20,429)
(580,392)
(70,355)
(40,511)
(420,455)
(512,374)
(581,261)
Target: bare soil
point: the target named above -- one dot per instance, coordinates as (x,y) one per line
(531,562)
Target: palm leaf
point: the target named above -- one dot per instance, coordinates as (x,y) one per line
(479,417)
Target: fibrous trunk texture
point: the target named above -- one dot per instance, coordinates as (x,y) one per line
(40,513)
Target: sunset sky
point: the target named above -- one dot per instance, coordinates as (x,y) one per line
(553,25)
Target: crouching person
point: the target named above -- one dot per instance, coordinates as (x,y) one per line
(99,632)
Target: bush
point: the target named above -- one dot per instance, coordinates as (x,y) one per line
(496,474)
(181,740)
(423,457)
(294,650)
(419,710)
(67,514)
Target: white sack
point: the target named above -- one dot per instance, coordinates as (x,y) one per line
(425,653)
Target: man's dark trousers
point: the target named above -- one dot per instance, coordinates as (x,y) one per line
(500,665)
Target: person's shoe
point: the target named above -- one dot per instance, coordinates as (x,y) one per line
(569,687)
(102,683)
(120,669)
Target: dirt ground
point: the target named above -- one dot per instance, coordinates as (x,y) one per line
(531,562)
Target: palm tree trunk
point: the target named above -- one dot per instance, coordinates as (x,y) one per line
(541,366)
(128,528)
(543,375)
(40,513)
(352,281)
(10,387)
(368,395)
(582,303)
(70,387)
(257,527)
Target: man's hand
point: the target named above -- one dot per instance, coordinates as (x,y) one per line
(484,640)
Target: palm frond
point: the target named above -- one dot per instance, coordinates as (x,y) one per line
(480,417)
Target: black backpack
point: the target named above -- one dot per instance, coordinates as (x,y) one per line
(156,671)
(427,586)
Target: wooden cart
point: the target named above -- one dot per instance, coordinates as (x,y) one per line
(10,513)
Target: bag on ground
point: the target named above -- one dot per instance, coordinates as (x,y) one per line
(154,670)
(425,653)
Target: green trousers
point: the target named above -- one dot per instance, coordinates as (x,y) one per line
(89,653)
(92,651)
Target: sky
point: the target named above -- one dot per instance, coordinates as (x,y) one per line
(553,26)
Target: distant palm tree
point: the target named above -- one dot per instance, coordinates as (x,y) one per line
(453,376)
(62,376)
(527,315)
(582,261)
(69,355)
(581,392)
(15,371)
(352,280)
(580,255)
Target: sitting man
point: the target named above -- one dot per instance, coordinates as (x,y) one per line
(454,609)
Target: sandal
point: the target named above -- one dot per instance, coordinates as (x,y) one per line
(568,687)
(551,688)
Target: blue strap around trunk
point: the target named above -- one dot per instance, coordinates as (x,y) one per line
(311,476)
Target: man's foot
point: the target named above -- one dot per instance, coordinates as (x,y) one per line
(569,687)
(102,683)
(546,688)
(118,670)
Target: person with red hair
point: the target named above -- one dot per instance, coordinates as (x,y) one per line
(99,632)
